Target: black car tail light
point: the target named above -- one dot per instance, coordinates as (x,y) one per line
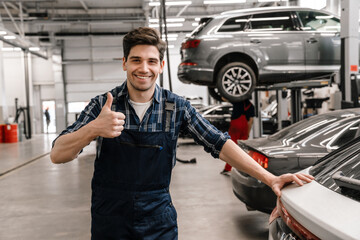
(296,227)
(259,158)
(193,43)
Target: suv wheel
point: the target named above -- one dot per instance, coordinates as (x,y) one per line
(214,92)
(236,81)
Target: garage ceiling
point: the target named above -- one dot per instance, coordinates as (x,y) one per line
(47,22)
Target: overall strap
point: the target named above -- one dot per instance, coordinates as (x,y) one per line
(169,107)
(99,139)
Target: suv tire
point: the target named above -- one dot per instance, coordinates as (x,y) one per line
(236,81)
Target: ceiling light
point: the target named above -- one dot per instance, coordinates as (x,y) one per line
(155,20)
(17,49)
(197,19)
(9,37)
(34,49)
(168,25)
(171,35)
(223,1)
(174,3)
(195,24)
(268,0)
(3,33)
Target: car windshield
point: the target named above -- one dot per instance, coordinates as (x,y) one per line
(345,160)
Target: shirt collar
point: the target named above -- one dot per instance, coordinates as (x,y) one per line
(123,91)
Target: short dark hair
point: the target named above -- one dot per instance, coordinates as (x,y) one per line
(143,36)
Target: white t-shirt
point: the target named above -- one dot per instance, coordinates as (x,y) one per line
(140,108)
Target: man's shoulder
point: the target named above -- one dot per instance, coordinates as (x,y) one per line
(172,97)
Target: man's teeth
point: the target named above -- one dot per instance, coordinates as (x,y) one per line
(142,77)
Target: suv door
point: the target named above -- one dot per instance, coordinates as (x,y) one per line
(321,36)
(274,43)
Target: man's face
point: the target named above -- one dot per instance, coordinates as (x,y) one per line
(143,66)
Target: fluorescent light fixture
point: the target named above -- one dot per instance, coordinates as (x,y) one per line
(7,49)
(3,33)
(268,0)
(241,20)
(155,20)
(195,24)
(34,49)
(169,39)
(175,20)
(223,1)
(17,49)
(198,19)
(9,37)
(168,25)
(174,3)
(154,4)
(171,35)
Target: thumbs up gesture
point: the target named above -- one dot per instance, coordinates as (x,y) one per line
(108,124)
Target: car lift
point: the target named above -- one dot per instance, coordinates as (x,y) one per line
(295,88)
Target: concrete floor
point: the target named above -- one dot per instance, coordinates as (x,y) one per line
(40,200)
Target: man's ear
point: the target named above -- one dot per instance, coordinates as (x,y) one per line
(162,64)
(124,66)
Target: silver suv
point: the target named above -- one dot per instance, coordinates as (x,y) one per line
(236,51)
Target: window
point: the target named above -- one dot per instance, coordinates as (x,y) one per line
(316,21)
(235,24)
(280,21)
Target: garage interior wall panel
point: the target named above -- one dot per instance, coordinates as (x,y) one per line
(42,71)
(14,75)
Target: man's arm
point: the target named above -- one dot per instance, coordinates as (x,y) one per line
(108,124)
(236,157)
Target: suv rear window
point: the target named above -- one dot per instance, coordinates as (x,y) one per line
(235,24)
(279,21)
(202,23)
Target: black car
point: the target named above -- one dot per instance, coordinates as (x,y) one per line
(326,208)
(292,149)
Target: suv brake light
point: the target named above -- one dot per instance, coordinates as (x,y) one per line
(194,43)
(296,227)
(188,64)
(259,158)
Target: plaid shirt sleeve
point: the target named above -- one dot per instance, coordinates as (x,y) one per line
(203,132)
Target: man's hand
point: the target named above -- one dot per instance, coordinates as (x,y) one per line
(280,181)
(108,124)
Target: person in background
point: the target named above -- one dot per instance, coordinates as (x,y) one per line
(240,125)
(47,118)
(138,125)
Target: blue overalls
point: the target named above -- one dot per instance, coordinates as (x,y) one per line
(130,186)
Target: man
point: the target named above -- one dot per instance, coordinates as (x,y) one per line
(47,118)
(139,124)
(240,125)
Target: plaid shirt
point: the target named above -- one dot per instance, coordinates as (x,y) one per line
(183,118)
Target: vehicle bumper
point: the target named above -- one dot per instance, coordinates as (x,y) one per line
(252,192)
(196,75)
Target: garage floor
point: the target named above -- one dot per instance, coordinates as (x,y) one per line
(40,200)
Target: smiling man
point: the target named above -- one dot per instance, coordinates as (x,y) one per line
(137,125)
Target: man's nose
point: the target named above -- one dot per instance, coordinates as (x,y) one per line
(144,67)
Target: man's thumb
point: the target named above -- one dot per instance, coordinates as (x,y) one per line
(109,100)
